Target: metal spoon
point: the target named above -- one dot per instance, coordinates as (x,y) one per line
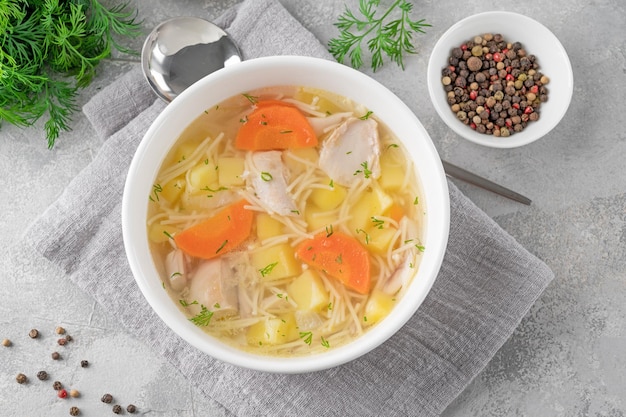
(182,50)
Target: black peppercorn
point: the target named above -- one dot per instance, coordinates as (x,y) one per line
(131,408)
(74,411)
(33,334)
(57,385)
(69,338)
(107,398)
(84,363)
(117,409)
(56,356)
(21,378)
(42,375)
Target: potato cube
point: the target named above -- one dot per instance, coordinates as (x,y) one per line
(276,262)
(372,203)
(308,291)
(273,331)
(392,177)
(317,218)
(378,240)
(267,226)
(378,307)
(230,171)
(328,199)
(172,190)
(158,233)
(203,177)
(185,150)
(295,166)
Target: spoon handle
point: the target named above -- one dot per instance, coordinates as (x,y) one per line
(462,174)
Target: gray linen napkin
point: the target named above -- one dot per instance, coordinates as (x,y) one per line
(486,285)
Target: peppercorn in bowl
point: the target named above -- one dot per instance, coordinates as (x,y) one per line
(500,79)
(287,214)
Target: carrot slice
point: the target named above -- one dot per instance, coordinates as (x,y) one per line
(219,234)
(274,124)
(339,255)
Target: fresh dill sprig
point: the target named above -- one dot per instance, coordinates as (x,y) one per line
(48,50)
(388,34)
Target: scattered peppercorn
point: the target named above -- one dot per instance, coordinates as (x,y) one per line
(34,333)
(42,375)
(117,409)
(107,398)
(74,411)
(494,86)
(59,330)
(84,363)
(62,393)
(57,385)
(21,378)
(69,338)
(6,342)
(74,393)
(131,408)
(62,341)
(56,356)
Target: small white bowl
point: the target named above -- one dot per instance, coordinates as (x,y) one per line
(537,40)
(275,71)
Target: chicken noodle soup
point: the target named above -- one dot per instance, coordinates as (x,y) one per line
(286,221)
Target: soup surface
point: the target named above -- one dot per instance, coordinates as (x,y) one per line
(286,221)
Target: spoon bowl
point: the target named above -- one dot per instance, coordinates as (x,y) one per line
(183,50)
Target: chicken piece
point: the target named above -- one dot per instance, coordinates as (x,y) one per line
(214,286)
(175,269)
(269,178)
(351,152)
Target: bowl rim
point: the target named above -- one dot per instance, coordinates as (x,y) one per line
(142,172)
(534,131)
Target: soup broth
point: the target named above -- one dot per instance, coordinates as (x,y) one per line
(286,221)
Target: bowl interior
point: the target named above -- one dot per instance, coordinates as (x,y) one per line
(275,71)
(537,40)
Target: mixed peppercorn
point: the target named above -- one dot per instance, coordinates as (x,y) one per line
(494,86)
(61,392)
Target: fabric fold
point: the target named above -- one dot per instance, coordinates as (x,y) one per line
(486,285)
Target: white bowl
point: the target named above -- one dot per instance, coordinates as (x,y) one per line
(274,71)
(537,40)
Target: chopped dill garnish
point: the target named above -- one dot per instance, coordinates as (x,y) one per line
(166,233)
(266,176)
(307,337)
(156,189)
(366,115)
(325,343)
(221,246)
(203,318)
(186,304)
(367,236)
(377,222)
(267,269)
(251,99)
(329,230)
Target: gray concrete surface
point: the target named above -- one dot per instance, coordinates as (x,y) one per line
(568,356)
